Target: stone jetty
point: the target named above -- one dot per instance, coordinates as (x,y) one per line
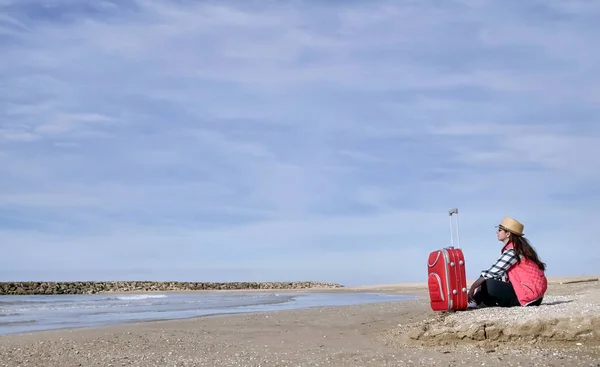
(30,288)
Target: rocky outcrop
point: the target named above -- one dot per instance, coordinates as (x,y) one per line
(574,318)
(543,330)
(25,288)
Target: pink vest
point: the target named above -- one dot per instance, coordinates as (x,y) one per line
(527,279)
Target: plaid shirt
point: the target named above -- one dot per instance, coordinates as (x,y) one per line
(499,269)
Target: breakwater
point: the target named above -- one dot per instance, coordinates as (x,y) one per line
(31,288)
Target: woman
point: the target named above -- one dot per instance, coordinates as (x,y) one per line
(517,278)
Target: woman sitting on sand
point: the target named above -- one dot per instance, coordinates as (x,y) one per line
(517,278)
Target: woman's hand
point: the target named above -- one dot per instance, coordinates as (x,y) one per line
(474,287)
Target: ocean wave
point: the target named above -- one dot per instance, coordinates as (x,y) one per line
(135,297)
(17,323)
(11,303)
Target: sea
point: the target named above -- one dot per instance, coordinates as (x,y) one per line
(25,314)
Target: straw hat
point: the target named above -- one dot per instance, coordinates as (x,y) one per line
(511,225)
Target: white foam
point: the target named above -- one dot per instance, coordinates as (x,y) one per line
(139,297)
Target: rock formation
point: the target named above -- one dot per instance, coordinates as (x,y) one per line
(30,288)
(573,318)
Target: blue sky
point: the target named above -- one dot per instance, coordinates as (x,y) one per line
(294,140)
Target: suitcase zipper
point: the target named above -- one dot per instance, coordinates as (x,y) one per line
(447,258)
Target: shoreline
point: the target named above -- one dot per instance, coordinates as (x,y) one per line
(375,334)
(185,318)
(269,307)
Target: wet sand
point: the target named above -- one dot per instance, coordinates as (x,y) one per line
(385,334)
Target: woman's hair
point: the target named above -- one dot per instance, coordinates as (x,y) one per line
(523,248)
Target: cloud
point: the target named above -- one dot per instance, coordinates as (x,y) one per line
(293,140)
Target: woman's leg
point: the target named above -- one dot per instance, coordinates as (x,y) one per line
(496,293)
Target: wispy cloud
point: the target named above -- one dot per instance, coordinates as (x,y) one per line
(222,140)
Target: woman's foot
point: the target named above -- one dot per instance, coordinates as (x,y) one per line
(473,305)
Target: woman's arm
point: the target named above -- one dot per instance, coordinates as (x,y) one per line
(496,271)
(475,285)
(501,266)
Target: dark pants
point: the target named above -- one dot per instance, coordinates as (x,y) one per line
(498,293)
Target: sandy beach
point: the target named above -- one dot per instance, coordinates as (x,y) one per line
(564,331)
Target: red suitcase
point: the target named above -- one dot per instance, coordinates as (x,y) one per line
(447,280)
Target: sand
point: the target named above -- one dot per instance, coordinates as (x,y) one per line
(383,334)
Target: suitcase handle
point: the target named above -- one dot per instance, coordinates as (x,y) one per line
(450,213)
